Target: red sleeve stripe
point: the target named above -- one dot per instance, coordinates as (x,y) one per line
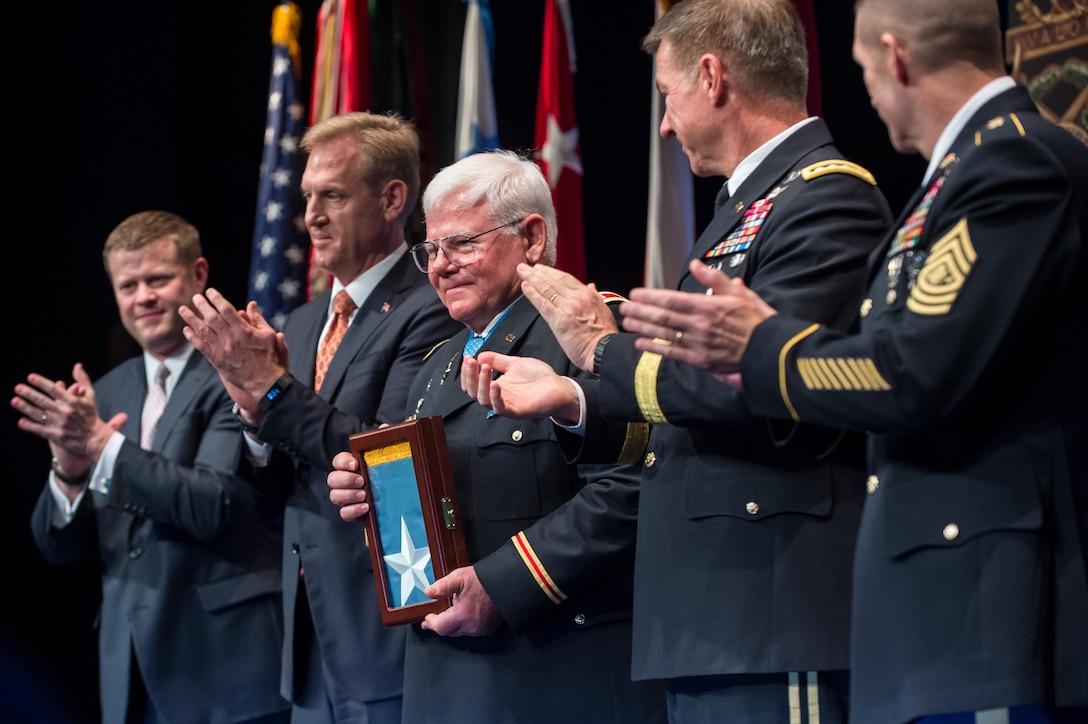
(532,562)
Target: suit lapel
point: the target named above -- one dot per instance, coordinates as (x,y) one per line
(385,297)
(446,396)
(193,377)
(313,321)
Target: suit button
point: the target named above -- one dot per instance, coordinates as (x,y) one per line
(579,618)
(752,507)
(871,484)
(294,548)
(951,532)
(650,459)
(516,436)
(135,553)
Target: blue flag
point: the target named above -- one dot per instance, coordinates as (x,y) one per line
(277,269)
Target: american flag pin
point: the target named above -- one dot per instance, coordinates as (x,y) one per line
(386,307)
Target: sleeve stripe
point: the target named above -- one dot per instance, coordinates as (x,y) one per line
(532,562)
(782,367)
(646,388)
(638,436)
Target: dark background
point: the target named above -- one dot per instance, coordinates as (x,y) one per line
(125,106)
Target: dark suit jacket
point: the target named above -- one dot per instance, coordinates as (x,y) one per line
(746,533)
(971,588)
(189,552)
(552,545)
(366,384)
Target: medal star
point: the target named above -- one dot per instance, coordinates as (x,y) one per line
(410,564)
(559,150)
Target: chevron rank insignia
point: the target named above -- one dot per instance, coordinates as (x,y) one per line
(942,276)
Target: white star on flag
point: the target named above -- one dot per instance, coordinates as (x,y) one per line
(559,150)
(410,563)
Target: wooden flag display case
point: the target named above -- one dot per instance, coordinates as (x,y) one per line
(413,528)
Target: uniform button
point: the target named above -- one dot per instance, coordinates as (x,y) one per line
(752,507)
(951,532)
(516,435)
(579,618)
(871,484)
(650,459)
(294,548)
(135,553)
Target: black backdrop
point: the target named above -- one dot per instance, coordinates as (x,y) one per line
(124,106)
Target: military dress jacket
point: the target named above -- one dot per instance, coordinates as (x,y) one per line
(189,553)
(747,527)
(552,544)
(366,384)
(970,581)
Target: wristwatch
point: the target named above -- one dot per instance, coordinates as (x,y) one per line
(598,351)
(275,391)
(69,479)
(246,426)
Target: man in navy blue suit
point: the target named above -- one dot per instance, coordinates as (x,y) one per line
(145,475)
(297,410)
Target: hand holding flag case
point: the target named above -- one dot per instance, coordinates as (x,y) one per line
(414,529)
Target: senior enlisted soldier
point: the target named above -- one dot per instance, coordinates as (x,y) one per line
(540,628)
(970,583)
(746,529)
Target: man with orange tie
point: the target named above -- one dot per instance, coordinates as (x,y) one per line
(353,353)
(146,475)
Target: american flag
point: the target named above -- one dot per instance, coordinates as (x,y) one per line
(277,277)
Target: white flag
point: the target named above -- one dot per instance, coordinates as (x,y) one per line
(477,129)
(670,215)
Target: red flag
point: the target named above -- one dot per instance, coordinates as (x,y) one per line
(558,151)
(341,82)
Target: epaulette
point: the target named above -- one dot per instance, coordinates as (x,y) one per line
(1002,122)
(822,168)
(612,297)
(432,350)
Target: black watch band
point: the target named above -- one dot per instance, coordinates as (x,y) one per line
(275,391)
(598,351)
(69,479)
(246,426)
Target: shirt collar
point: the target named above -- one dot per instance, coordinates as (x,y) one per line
(944,142)
(361,286)
(752,160)
(175,363)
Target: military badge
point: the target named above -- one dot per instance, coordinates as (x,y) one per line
(741,237)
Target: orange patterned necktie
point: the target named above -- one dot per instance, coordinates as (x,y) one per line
(342,307)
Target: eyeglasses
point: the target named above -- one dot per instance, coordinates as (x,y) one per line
(458,248)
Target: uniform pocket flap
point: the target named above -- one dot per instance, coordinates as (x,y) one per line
(947,510)
(757,493)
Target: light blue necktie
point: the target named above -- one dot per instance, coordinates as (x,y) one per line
(472,346)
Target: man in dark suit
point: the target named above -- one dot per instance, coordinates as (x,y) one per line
(746,529)
(971,582)
(360,183)
(539,630)
(190,624)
